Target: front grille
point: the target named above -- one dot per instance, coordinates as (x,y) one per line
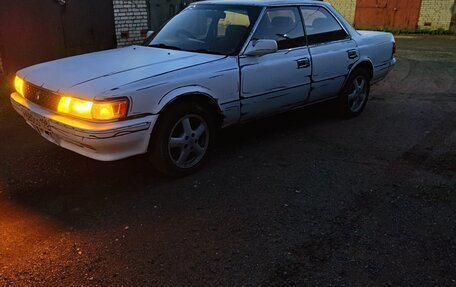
(41,97)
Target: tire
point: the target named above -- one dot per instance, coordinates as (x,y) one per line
(355,94)
(180,143)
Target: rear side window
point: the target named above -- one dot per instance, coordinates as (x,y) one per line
(321,26)
(283,25)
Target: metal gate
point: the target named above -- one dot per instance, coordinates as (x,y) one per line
(393,14)
(33,31)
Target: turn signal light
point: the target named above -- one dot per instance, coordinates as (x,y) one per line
(99,111)
(105,111)
(19,85)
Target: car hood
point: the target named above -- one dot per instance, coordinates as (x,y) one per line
(91,75)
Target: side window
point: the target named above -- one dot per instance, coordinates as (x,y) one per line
(283,25)
(321,26)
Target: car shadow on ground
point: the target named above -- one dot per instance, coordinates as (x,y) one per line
(73,190)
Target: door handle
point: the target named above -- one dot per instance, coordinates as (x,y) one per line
(303,63)
(352,54)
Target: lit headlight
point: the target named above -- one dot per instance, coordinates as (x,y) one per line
(102,111)
(19,85)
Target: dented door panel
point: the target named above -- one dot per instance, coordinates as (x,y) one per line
(274,82)
(331,65)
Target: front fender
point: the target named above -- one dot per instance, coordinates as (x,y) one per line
(181,92)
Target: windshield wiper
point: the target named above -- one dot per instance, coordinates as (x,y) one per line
(164,46)
(205,51)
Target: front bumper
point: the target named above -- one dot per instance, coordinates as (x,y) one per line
(101,141)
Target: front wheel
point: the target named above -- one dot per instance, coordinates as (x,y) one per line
(182,139)
(355,94)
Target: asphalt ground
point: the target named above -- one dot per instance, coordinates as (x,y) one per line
(301,199)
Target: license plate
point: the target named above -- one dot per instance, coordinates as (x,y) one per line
(39,123)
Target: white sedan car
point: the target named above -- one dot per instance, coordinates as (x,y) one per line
(215,64)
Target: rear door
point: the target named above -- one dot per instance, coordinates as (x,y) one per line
(332,51)
(278,81)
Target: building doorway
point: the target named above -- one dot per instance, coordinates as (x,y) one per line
(390,14)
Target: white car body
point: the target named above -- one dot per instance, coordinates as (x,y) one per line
(241,87)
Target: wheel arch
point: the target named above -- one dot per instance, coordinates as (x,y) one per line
(180,100)
(194,94)
(363,64)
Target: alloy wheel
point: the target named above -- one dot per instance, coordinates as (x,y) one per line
(358,96)
(188,141)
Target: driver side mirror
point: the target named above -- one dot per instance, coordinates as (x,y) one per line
(149,33)
(261,47)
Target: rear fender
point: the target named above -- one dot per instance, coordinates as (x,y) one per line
(357,65)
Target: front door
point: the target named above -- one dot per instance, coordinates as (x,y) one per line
(279,81)
(333,52)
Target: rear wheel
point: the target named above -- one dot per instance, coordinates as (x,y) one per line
(355,94)
(182,139)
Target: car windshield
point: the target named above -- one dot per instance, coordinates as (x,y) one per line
(205,28)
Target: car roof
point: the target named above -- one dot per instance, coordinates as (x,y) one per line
(263,3)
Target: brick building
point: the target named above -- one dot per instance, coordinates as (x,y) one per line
(131,21)
(346,7)
(436,14)
(80,26)
(134,17)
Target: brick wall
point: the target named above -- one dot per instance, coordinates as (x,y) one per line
(436,14)
(130,17)
(453,19)
(346,7)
